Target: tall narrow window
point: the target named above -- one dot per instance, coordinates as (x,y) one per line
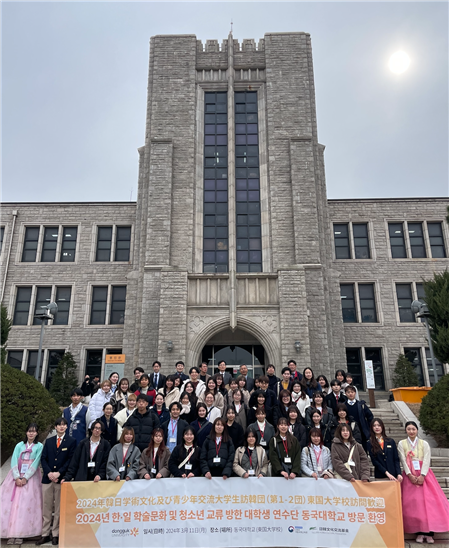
(104,242)
(247,183)
(54,357)
(94,359)
(43,295)
(98,309)
(118,305)
(367,303)
(68,248)
(414,357)
(30,244)
(32,362)
(341,240)
(397,242)
(122,243)
(348,303)
(439,367)
(404,295)
(15,358)
(420,293)
(416,236)
(354,366)
(49,246)
(436,240)
(63,295)
(215,229)
(375,355)
(22,309)
(361,241)
(2,235)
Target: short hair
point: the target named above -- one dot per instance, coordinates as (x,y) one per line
(76,392)
(234,381)
(351,387)
(342,407)
(192,431)
(270,366)
(194,368)
(201,405)
(157,362)
(264,379)
(97,421)
(32,426)
(231,408)
(334,382)
(204,363)
(132,397)
(340,372)
(106,404)
(142,397)
(293,408)
(145,376)
(285,369)
(179,362)
(221,361)
(173,404)
(261,411)
(106,381)
(341,427)
(316,432)
(291,361)
(207,392)
(127,430)
(61,420)
(139,369)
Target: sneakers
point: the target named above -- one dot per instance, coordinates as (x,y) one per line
(429,540)
(420,539)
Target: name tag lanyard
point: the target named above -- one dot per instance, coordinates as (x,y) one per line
(217,448)
(173,425)
(262,432)
(92,455)
(318,457)
(250,453)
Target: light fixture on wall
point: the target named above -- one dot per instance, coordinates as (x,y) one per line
(297,346)
(170,346)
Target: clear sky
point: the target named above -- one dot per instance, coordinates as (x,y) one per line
(74,83)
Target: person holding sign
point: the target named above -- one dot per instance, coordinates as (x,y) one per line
(285,452)
(21,494)
(349,459)
(123,460)
(425,508)
(217,453)
(185,459)
(250,461)
(154,459)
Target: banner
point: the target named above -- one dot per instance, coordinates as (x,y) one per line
(235,512)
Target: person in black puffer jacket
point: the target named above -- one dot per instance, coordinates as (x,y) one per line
(217,453)
(143,422)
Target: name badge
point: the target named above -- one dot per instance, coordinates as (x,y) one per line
(287,460)
(74,426)
(64,449)
(153,471)
(263,443)
(351,463)
(416,465)
(24,468)
(91,464)
(217,460)
(320,468)
(121,469)
(251,472)
(172,440)
(188,467)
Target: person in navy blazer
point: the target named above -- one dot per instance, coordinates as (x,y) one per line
(249,380)
(157,375)
(384,453)
(55,462)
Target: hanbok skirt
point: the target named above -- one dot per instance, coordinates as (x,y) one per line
(21,507)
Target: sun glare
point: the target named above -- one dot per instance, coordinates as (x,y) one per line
(399,62)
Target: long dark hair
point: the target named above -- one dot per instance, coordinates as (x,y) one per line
(283,393)
(215,389)
(375,446)
(316,432)
(312,382)
(213,435)
(32,426)
(323,405)
(172,379)
(119,390)
(249,431)
(149,450)
(192,430)
(192,397)
(338,435)
(290,437)
(220,388)
(326,382)
(303,393)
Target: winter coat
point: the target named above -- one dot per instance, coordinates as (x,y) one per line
(354,427)
(110,432)
(331,401)
(240,417)
(143,426)
(115,461)
(277,455)
(268,433)
(178,456)
(182,425)
(119,400)
(171,396)
(301,404)
(209,452)
(328,432)
(164,415)
(365,416)
(202,431)
(340,455)
(121,417)
(96,404)
(150,394)
(325,417)
(387,460)
(241,462)
(309,463)
(236,433)
(300,433)
(78,469)
(161,464)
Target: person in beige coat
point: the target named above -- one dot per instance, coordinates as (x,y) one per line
(250,460)
(349,459)
(154,460)
(170,392)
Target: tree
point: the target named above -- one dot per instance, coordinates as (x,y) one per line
(64,379)
(437,300)
(434,411)
(5,329)
(404,373)
(23,400)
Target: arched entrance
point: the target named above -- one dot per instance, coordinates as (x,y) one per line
(235,348)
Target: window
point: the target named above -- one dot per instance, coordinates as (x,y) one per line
(404,296)
(22,308)
(247,183)
(414,357)
(30,244)
(118,305)
(397,242)
(420,293)
(54,357)
(43,298)
(104,243)
(68,246)
(344,233)
(375,355)
(341,239)
(122,243)
(354,366)
(2,235)
(358,303)
(15,358)
(49,245)
(99,302)
(361,241)
(439,367)
(436,240)
(32,362)
(94,359)
(215,195)
(416,237)
(348,303)
(63,295)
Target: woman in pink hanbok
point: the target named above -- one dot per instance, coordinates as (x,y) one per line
(21,493)
(425,507)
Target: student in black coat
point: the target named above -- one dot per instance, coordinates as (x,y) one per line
(217,453)
(335,397)
(327,429)
(384,453)
(110,424)
(360,412)
(234,429)
(56,456)
(201,425)
(185,460)
(282,406)
(159,409)
(90,458)
(344,418)
(295,426)
(174,427)
(271,374)
(143,422)
(259,399)
(270,395)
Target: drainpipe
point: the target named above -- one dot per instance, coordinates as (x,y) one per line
(14,216)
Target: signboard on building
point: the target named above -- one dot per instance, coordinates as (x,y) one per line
(369,374)
(114,362)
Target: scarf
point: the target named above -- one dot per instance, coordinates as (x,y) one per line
(74,412)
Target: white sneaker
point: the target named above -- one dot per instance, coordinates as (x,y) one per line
(429,540)
(420,539)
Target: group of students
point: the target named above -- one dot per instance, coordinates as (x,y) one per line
(217,426)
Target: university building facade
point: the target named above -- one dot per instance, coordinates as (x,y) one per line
(232,250)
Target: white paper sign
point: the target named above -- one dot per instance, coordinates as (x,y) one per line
(369,372)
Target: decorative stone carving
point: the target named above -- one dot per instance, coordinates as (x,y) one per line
(196,324)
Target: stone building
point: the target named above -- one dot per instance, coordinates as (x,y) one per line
(232,250)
